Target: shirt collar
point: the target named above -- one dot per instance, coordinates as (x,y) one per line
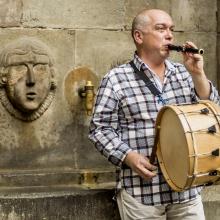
(139,63)
(170,66)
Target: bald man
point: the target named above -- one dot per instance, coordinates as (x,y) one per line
(122,126)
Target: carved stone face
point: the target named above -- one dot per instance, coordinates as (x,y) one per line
(28,81)
(27,78)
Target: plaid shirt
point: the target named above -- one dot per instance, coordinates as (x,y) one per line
(124,120)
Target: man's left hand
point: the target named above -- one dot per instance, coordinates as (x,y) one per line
(193,62)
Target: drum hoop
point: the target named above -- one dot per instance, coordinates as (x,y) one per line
(208,103)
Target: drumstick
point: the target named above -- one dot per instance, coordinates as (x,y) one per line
(154,151)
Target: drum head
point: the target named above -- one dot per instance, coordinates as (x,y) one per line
(172,149)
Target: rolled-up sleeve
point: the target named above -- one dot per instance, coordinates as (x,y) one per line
(214,96)
(103,131)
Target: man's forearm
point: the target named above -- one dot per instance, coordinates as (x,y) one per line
(202,86)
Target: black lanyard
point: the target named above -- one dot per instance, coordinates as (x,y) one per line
(154,90)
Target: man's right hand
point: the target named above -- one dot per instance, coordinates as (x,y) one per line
(140,164)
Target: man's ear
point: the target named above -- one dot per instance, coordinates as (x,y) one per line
(138,37)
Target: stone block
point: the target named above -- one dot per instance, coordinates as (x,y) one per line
(211,202)
(53,140)
(188,15)
(211,193)
(10,13)
(73,14)
(41,139)
(218,15)
(194,15)
(132,7)
(211,209)
(100,50)
(218,59)
(207,41)
(76,204)
(61,43)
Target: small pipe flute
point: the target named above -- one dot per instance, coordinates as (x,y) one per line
(185,49)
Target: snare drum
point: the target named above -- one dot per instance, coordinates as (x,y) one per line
(189,143)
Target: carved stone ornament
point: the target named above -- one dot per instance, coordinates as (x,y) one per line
(27,78)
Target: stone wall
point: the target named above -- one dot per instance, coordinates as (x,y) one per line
(87,38)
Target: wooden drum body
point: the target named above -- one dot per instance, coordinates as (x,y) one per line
(188,144)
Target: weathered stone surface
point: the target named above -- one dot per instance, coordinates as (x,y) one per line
(211,198)
(218,59)
(188,15)
(77,205)
(49,180)
(10,13)
(194,15)
(58,139)
(207,41)
(73,14)
(34,136)
(211,193)
(100,50)
(61,42)
(218,16)
(212,211)
(132,7)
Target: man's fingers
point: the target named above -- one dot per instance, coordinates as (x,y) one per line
(149,174)
(144,169)
(148,165)
(191,44)
(145,173)
(140,164)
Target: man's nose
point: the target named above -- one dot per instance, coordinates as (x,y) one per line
(169,35)
(30,81)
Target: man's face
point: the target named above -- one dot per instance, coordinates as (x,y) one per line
(28,81)
(158,34)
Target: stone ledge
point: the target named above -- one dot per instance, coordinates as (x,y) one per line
(45,179)
(81,205)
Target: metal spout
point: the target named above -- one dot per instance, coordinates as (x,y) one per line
(88,93)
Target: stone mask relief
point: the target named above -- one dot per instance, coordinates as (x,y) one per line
(27,84)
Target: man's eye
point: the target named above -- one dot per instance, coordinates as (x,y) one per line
(160,28)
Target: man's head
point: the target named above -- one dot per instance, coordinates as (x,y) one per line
(152,32)
(27,73)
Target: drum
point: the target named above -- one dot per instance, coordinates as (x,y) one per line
(188,144)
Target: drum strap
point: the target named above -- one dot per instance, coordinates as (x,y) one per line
(147,81)
(155,92)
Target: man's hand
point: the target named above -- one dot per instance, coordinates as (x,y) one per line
(194,64)
(140,165)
